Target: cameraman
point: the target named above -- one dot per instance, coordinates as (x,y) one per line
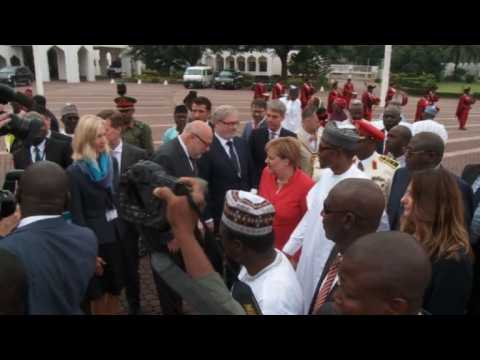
(183,220)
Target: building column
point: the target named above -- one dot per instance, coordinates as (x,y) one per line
(39,59)
(71,65)
(91,65)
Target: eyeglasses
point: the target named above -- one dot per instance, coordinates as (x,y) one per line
(233,123)
(202,141)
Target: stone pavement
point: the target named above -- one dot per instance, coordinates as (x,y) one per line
(155,107)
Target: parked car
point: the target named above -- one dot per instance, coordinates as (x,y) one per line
(15,75)
(198,76)
(114,71)
(228,79)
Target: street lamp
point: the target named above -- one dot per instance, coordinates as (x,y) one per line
(385,74)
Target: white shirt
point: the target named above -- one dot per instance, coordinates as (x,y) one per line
(227,149)
(62,131)
(41,147)
(401,161)
(117,154)
(367,163)
(276,288)
(310,234)
(31,219)
(293,116)
(184,147)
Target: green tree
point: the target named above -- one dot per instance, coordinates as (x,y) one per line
(164,57)
(418,59)
(309,62)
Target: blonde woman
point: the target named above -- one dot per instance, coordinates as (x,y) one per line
(92,205)
(434,216)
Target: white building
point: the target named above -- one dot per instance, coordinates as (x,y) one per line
(255,63)
(68,62)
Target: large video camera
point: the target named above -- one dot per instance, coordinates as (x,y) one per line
(136,201)
(25,130)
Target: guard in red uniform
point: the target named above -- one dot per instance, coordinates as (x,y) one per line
(421,106)
(334,92)
(306,93)
(278,90)
(390,94)
(260,91)
(464,105)
(369,100)
(348,90)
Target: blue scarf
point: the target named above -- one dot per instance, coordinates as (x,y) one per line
(100,172)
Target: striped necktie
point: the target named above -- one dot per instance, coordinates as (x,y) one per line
(327,284)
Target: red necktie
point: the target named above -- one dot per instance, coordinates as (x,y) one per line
(327,284)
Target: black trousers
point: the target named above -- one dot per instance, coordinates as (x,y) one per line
(129,247)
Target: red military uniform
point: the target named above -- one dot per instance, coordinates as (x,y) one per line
(306,94)
(348,90)
(278,90)
(369,100)
(421,105)
(331,98)
(259,91)
(464,105)
(390,94)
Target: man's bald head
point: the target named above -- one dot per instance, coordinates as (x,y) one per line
(384,273)
(197,137)
(43,189)
(353,208)
(425,151)
(391,116)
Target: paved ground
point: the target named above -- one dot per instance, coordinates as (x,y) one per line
(155,107)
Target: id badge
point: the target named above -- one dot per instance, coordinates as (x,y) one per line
(111,215)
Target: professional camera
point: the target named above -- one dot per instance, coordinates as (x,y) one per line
(8,202)
(25,130)
(136,201)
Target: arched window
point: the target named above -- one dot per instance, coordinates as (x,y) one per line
(241,63)
(262,64)
(252,64)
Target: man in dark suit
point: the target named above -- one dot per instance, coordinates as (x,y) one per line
(179,158)
(425,151)
(40,105)
(59,257)
(42,148)
(126,155)
(51,133)
(260,137)
(227,165)
(352,209)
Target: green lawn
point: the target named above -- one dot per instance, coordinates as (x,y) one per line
(457,87)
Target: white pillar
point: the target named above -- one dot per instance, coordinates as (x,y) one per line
(91,65)
(386,74)
(139,67)
(37,61)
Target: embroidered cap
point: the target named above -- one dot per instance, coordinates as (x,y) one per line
(430,126)
(247,213)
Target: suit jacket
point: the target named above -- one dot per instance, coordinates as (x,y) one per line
(59,260)
(56,151)
(400,182)
(216,167)
(258,139)
(173,158)
(326,268)
(175,162)
(469,175)
(61,137)
(90,203)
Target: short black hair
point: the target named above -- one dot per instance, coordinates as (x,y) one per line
(259,103)
(259,244)
(40,100)
(13,284)
(180,109)
(202,100)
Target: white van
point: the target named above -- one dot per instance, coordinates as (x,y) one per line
(198,76)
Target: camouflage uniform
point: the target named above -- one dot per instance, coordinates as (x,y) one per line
(140,134)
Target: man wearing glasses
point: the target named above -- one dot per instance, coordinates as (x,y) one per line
(179,158)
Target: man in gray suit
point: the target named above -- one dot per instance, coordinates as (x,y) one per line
(126,155)
(179,159)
